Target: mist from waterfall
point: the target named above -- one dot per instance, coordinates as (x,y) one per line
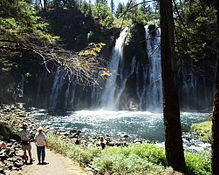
(132,85)
(108,96)
(153,71)
(149,95)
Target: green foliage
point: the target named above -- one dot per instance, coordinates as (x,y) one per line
(84,154)
(120,9)
(64,3)
(144,159)
(20,21)
(203,130)
(5,131)
(76,152)
(58,144)
(135,159)
(102,12)
(198,163)
(195,39)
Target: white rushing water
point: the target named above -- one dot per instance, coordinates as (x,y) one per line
(153,73)
(150,93)
(108,96)
(138,125)
(133,84)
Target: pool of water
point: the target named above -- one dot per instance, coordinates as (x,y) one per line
(138,125)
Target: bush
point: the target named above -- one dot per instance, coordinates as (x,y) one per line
(135,159)
(203,130)
(198,163)
(144,159)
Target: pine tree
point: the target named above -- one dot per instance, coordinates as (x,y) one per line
(215,117)
(172,125)
(112,6)
(120,9)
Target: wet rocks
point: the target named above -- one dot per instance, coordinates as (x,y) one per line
(11,120)
(10,157)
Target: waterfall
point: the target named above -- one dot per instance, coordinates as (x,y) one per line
(124,75)
(108,96)
(70,93)
(148,93)
(195,94)
(133,84)
(153,72)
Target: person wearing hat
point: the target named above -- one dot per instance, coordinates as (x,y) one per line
(40,140)
(25,142)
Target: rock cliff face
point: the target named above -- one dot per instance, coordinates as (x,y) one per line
(131,67)
(135,84)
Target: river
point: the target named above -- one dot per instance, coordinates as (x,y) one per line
(137,125)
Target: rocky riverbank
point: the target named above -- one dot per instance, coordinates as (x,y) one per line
(11,119)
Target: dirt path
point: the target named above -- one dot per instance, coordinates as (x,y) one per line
(58,165)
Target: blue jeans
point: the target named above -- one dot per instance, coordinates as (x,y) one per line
(41,153)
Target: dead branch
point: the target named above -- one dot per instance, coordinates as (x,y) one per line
(85,68)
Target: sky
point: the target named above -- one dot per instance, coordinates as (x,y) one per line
(122,1)
(118,1)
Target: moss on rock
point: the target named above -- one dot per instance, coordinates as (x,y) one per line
(203,130)
(135,44)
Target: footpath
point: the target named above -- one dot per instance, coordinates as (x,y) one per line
(57,165)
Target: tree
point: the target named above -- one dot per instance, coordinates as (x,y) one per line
(103,13)
(172,126)
(105,2)
(112,6)
(215,117)
(197,21)
(70,3)
(21,33)
(120,9)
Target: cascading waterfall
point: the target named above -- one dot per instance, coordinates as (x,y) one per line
(124,75)
(150,94)
(195,93)
(133,84)
(108,96)
(70,93)
(56,88)
(62,80)
(153,72)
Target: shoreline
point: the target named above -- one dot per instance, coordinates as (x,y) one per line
(191,141)
(16,116)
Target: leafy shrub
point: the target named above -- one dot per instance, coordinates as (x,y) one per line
(58,145)
(84,155)
(136,159)
(198,163)
(203,130)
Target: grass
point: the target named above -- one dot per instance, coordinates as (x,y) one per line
(135,159)
(203,130)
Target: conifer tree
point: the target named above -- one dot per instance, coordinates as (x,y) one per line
(112,6)
(215,117)
(172,125)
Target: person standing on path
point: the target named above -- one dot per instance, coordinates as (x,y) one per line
(40,140)
(25,142)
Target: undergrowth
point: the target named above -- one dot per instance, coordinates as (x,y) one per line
(203,130)
(135,159)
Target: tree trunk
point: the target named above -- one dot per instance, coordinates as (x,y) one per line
(215,118)
(172,125)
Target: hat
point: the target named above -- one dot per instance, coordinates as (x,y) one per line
(24,125)
(40,129)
